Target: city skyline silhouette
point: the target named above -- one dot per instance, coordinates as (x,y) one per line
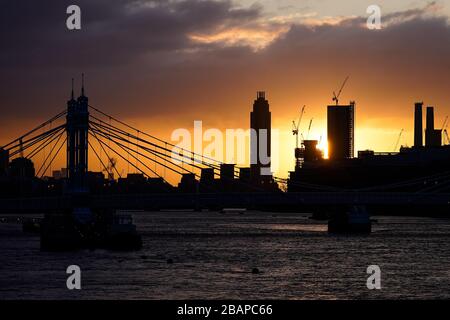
(305,60)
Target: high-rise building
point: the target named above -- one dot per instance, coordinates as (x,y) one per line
(340,131)
(260,123)
(418,125)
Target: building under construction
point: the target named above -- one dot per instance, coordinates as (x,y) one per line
(341,133)
(418,168)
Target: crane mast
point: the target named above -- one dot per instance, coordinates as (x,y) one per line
(309,128)
(398,140)
(336,96)
(295,132)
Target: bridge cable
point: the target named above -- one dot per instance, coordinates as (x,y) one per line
(107,154)
(35,141)
(30,142)
(99,158)
(125,149)
(157,154)
(56,154)
(146,149)
(49,155)
(112,149)
(59,115)
(49,140)
(150,136)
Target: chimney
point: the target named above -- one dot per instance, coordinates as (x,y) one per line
(430,118)
(418,125)
(433,138)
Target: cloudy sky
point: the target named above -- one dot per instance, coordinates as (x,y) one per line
(163,64)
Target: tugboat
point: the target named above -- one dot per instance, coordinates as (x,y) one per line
(120,232)
(355,220)
(84,230)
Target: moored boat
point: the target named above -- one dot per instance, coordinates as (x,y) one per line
(354,220)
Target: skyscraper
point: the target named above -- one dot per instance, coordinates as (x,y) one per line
(340,131)
(260,123)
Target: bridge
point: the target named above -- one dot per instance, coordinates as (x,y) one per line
(86,131)
(302,202)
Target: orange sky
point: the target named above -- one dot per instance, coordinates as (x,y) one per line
(206,60)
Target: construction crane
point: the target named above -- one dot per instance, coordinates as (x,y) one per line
(398,140)
(444,129)
(112,163)
(309,128)
(295,132)
(445,124)
(336,97)
(446,137)
(295,126)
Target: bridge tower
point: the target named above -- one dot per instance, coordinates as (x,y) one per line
(77,141)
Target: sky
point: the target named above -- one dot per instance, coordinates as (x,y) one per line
(160,65)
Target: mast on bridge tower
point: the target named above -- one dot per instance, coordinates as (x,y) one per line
(77,140)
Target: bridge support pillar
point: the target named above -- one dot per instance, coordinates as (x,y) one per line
(77,142)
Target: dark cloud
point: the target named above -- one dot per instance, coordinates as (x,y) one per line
(113,31)
(140,60)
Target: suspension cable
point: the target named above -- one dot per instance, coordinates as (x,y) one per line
(49,154)
(131,149)
(158,154)
(101,146)
(56,154)
(59,115)
(151,136)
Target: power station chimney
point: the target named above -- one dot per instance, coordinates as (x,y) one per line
(433,138)
(418,125)
(429,130)
(430,118)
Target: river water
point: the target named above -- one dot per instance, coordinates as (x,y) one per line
(213,256)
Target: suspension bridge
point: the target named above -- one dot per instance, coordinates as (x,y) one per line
(84,132)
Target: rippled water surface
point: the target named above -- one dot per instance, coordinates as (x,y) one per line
(213,255)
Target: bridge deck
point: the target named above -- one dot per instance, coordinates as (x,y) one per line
(221,200)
